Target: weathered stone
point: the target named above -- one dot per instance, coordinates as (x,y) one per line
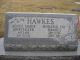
(39,57)
(40,31)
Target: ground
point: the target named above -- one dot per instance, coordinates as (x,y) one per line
(55,6)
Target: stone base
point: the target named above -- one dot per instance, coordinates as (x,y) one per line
(39,58)
(38,55)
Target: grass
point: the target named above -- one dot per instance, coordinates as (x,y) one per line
(53,6)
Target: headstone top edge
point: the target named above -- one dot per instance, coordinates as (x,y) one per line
(40,13)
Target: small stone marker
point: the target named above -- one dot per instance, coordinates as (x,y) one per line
(40,31)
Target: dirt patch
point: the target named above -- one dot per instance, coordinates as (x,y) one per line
(47,7)
(76,9)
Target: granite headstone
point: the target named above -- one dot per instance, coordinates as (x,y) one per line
(40,31)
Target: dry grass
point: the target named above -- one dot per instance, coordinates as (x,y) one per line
(61,6)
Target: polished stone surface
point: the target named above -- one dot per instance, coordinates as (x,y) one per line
(28,31)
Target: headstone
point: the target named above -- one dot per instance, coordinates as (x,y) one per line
(40,31)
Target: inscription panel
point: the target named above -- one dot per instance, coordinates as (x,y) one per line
(40,31)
